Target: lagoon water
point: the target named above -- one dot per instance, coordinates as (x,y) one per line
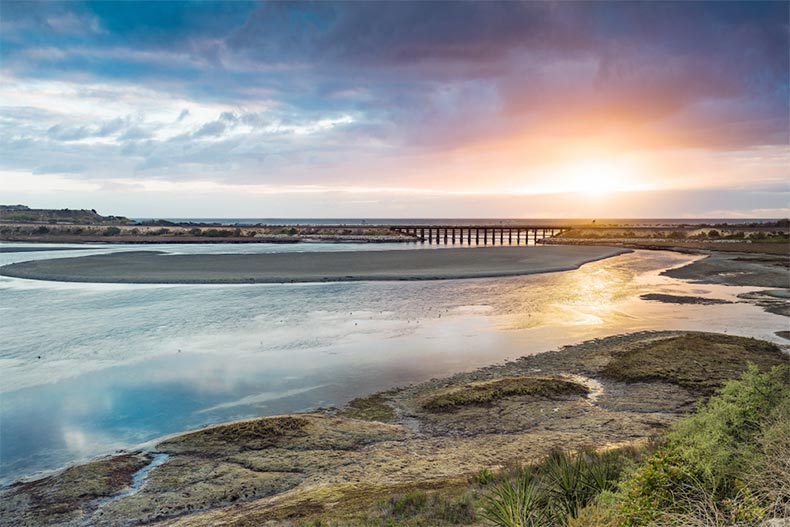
(86,369)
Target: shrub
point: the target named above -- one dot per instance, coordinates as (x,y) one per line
(407,505)
(518,503)
(602,512)
(483,477)
(698,472)
(556,490)
(111,231)
(42,230)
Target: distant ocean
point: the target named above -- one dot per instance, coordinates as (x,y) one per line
(460,221)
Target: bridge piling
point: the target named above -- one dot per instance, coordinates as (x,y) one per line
(455,234)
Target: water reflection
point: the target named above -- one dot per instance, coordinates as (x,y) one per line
(89,368)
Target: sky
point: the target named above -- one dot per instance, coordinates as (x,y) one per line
(397,109)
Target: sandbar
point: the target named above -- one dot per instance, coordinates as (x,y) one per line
(153,267)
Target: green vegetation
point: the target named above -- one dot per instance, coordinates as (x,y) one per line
(729,464)
(700,362)
(372,408)
(486,393)
(111,231)
(726,465)
(556,490)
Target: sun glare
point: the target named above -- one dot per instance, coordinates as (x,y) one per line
(595,178)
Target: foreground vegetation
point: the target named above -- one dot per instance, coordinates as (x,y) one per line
(726,465)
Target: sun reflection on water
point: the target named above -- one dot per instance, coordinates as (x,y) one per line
(594,294)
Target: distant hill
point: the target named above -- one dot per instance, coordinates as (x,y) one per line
(24,214)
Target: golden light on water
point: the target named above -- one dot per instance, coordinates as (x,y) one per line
(593,295)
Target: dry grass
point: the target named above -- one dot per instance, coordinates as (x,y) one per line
(372,408)
(701,362)
(489,392)
(245,435)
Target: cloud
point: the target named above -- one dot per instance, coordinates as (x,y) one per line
(66,132)
(427,93)
(212,129)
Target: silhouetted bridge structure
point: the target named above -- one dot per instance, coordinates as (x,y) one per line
(480,234)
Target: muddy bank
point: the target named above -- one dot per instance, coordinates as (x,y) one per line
(737,269)
(689,246)
(336,464)
(682,299)
(153,267)
(8,250)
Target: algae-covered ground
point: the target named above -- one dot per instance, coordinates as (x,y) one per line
(412,449)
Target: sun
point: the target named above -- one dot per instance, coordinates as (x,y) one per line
(595,177)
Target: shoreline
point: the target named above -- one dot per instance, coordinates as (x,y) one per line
(152,267)
(304,465)
(275,467)
(178,240)
(681,246)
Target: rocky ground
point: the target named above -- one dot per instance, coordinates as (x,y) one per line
(338,464)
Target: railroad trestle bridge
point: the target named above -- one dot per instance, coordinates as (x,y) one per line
(480,234)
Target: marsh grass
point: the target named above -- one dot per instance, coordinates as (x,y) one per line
(700,362)
(419,508)
(486,393)
(253,434)
(554,491)
(372,408)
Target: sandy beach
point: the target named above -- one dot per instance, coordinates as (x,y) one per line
(152,267)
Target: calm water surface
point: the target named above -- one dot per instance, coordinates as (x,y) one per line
(91,368)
